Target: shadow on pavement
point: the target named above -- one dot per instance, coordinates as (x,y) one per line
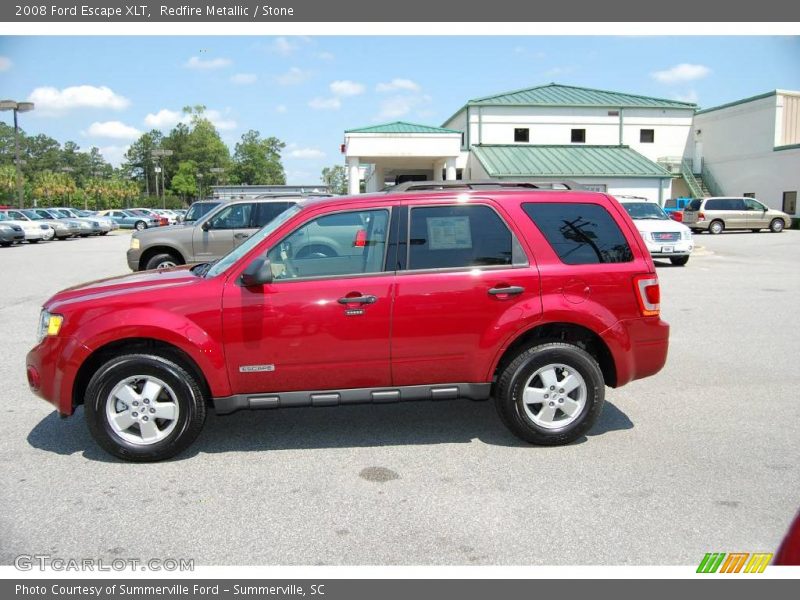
(418,423)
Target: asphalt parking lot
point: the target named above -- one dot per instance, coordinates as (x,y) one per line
(703,457)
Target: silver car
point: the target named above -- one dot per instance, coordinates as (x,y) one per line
(63,229)
(716,214)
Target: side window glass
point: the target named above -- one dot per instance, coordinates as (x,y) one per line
(349,243)
(753,205)
(580,233)
(235,216)
(265,212)
(443,237)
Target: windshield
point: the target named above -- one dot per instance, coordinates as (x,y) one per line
(645,210)
(32,215)
(229,259)
(199,209)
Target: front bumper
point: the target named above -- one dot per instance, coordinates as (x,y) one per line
(133,256)
(51,369)
(659,249)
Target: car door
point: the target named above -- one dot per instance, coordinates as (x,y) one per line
(323,323)
(736,214)
(213,237)
(757,217)
(465,281)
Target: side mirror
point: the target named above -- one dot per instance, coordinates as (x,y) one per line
(259,272)
(205,226)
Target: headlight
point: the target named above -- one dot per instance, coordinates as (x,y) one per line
(6,227)
(49,325)
(134,243)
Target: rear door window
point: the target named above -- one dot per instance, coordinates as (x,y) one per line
(695,204)
(447,237)
(580,234)
(265,212)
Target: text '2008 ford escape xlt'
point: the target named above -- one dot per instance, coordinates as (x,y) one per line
(538,298)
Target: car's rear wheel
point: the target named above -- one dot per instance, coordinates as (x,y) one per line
(716,227)
(163,261)
(144,408)
(550,394)
(776,226)
(679,260)
(140,225)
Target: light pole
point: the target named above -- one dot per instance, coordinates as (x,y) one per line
(199,185)
(69,196)
(96,174)
(218,171)
(17,107)
(159,154)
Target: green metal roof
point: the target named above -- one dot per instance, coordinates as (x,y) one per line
(554,94)
(565,161)
(401,127)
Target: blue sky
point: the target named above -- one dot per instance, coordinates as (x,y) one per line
(102,91)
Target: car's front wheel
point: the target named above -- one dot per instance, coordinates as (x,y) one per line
(144,408)
(776,226)
(550,394)
(163,261)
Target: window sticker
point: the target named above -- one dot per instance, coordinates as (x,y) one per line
(449,233)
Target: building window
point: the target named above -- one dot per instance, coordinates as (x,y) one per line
(463,142)
(578,136)
(522,134)
(647,136)
(613,113)
(790,202)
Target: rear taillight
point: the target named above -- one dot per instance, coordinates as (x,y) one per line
(648,293)
(361,239)
(701,217)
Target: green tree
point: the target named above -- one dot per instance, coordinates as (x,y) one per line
(335,178)
(138,162)
(257,160)
(184,182)
(204,146)
(8,184)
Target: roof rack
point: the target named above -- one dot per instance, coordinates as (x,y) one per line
(483,184)
(292,195)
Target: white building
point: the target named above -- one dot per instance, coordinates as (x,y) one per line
(751,148)
(606,141)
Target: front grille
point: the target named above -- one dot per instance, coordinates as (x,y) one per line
(667,236)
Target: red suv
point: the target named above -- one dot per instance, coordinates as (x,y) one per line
(538,298)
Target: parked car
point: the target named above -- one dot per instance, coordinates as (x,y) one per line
(436,295)
(10,233)
(106,223)
(664,237)
(210,237)
(99,226)
(128,220)
(169,215)
(199,209)
(180,214)
(162,221)
(34,232)
(88,227)
(61,229)
(716,214)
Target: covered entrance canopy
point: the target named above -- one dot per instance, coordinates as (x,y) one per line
(400,150)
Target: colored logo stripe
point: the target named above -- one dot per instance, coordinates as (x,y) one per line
(717,561)
(734,562)
(758,562)
(711,562)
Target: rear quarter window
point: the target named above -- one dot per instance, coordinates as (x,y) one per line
(580,234)
(694,204)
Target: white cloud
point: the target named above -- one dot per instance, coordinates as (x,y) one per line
(244,78)
(196,62)
(281,108)
(5,63)
(681,72)
(112,129)
(293,76)
(165,119)
(398,84)
(345,87)
(326,55)
(283,46)
(307,153)
(114,154)
(690,96)
(325,104)
(50,100)
(399,106)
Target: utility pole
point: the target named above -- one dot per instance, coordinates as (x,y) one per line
(17,107)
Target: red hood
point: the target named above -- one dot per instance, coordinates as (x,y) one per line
(125,284)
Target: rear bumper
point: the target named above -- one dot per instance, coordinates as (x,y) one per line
(51,369)
(639,347)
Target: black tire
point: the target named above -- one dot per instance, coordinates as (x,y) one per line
(189,397)
(140,225)
(34,241)
(159,259)
(716,227)
(104,233)
(5,244)
(679,261)
(508,394)
(697,231)
(777,225)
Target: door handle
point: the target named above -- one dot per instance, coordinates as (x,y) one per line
(358,300)
(241,236)
(511,290)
